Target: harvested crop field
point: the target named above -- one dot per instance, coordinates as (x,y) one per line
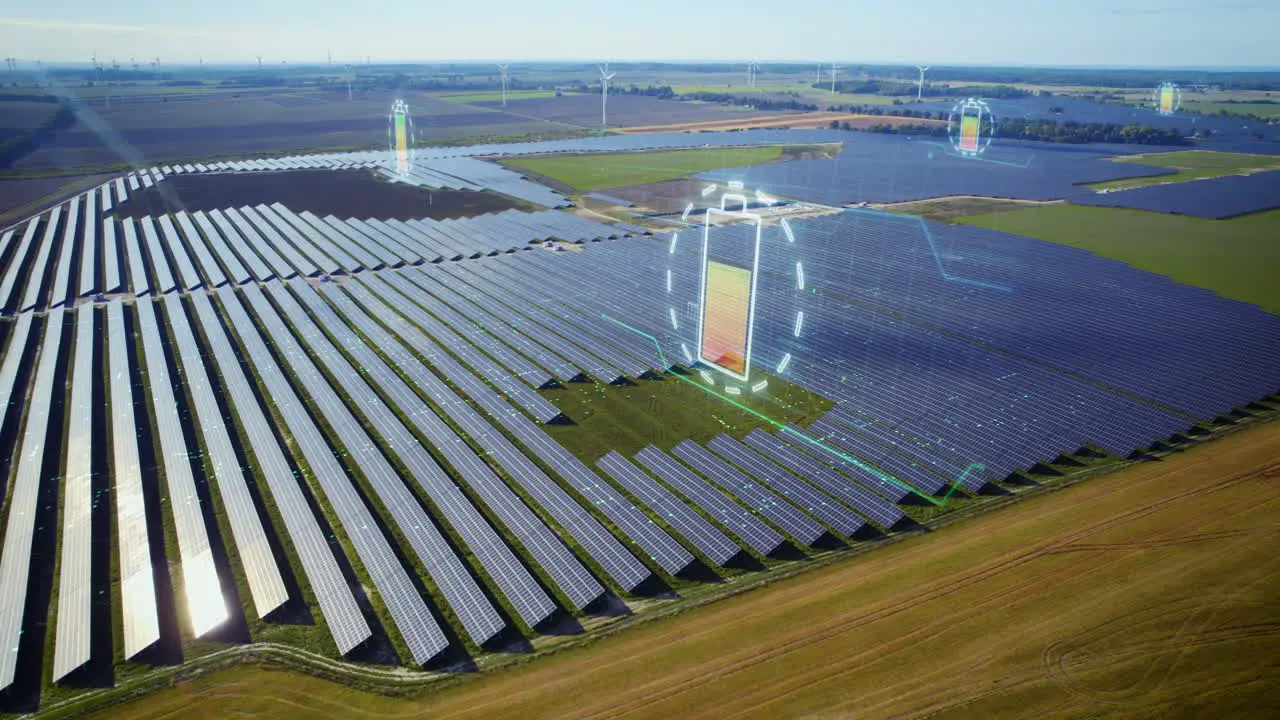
(342,193)
(1153,592)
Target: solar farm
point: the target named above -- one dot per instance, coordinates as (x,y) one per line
(357,438)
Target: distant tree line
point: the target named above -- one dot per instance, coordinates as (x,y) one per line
(1055,132)
(894,88)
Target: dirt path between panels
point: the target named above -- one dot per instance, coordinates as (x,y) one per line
(1152,592)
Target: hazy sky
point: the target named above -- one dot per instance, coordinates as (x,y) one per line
(1045,32)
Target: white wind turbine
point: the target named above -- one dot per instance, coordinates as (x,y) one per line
(503,74)
(753,67)
(920,90)
(605,77)
(834,69)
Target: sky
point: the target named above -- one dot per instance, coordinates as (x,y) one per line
(1117,33)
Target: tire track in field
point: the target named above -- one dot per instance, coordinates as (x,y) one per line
(937,591)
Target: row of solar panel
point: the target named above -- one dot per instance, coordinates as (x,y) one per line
(386,426)
(1215,198)
(187,251)
(927,408)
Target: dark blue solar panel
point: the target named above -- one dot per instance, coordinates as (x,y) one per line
(1215,198)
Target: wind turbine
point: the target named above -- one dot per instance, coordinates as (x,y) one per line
(259,62)
(920,91)
(348,82)
(753,67)
(157,66)
(502,72)
(605,77)
(834,69)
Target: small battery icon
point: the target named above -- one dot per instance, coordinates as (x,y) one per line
(727,302)
(400,123)
(969,128)
(1166,99)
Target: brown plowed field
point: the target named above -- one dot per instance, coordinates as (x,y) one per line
(801,121)
(342,193)
(1153,592)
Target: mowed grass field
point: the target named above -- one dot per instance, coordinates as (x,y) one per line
(595,171)
(1236,258)
(1191,165)
(669,409)
(1266,110)
(1153,592)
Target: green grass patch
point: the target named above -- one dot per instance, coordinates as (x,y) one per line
(1266,110)
(494,96)
(1235,258)
(666,410)
(595,171)
(1191,165)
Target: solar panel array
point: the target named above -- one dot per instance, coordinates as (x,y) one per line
(163,255)
(367,392)
(1214,198)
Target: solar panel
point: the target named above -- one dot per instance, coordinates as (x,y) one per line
(89,253)
(583,350)
(312,246)
(457,585)
(337,603)
(346,238)
(419,629)
(538,406)
(555,558)
(271,237)
(584,528)
(105,189)
(413,244)
(186,271)
(412,252)
(499,562)
(478,312)
(754,495)
(789,486)
(72,647)
(163,273)
(110,257)
(121,193)
(62,271)
(389,254)
(228,251)
(517,364)
(36,276)
(265,582)
(254,241)
(710,541)
(212,271)
(1213,198)
(206,607)
(729,514)
(19,532)
(888,461)
(523,318)
(12,273)
(137,583)
(859,498)
(322,237)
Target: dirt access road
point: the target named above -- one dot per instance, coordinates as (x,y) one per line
(1153,592)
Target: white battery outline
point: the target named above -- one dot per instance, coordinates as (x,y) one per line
(724,212)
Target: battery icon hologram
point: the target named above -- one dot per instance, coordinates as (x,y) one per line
(969,128)
(727,301)
(400,124)
(1166,100)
